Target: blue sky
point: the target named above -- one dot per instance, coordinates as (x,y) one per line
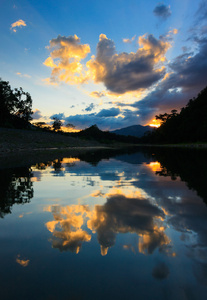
(110,63)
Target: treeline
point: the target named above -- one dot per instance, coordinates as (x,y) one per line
(15,107)
(188,126)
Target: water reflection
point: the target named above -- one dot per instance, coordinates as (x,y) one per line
(16,188)
(142,214)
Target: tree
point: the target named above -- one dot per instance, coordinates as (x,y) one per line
(14,104)
(57,124)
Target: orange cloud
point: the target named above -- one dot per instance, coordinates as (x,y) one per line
(22,262)
(65,56)
(19,23)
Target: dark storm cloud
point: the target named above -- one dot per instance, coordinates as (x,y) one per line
(162,11)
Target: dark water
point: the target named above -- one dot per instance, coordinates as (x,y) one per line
(129,226)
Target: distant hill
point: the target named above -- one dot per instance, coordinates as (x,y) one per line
(106,137)
(135,130)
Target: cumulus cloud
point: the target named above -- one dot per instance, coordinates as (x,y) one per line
(120,73)
(36,114)
(20,23)
(65,58)
(162,11)
(121,214)
(125,72)
(69,219)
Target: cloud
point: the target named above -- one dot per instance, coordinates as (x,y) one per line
(120,73)
(59,116)
(105,119)
(90,107)
(121,214)
(23,75)
(125,72)
(22,262)
(69,219)
(186,79)
(65,56)
(162,11)
(112,112)
(129,41)
(20,23)
(36,114)
(97,94)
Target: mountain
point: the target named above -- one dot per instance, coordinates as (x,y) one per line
(134,130)
(94,133)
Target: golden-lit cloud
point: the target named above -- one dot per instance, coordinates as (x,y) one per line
(69,219)
(22,262)
(122,213)
(19,23)
(120,73)
(97,94)
(129,41)
(65,58)
(150,241)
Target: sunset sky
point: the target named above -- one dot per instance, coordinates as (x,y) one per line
(112,63)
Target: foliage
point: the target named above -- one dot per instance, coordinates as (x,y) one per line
(57,124)
(188,126)
(15,106)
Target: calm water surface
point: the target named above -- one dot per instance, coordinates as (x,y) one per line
(126,227)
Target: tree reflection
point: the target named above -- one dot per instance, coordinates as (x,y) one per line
(16,188)
(188,164)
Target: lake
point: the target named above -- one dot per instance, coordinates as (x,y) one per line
(105,225)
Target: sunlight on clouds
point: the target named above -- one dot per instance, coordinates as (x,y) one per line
(65,56)
(120,73)
(22,262)
(150,241)
(129,41)
(18,23)
(126,210)
(70,219)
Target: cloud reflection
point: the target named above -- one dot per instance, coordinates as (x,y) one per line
(120,214)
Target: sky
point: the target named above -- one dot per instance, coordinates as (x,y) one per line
(112,63)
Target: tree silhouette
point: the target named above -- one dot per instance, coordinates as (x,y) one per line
(15,106)
(16,188)
(57,124)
